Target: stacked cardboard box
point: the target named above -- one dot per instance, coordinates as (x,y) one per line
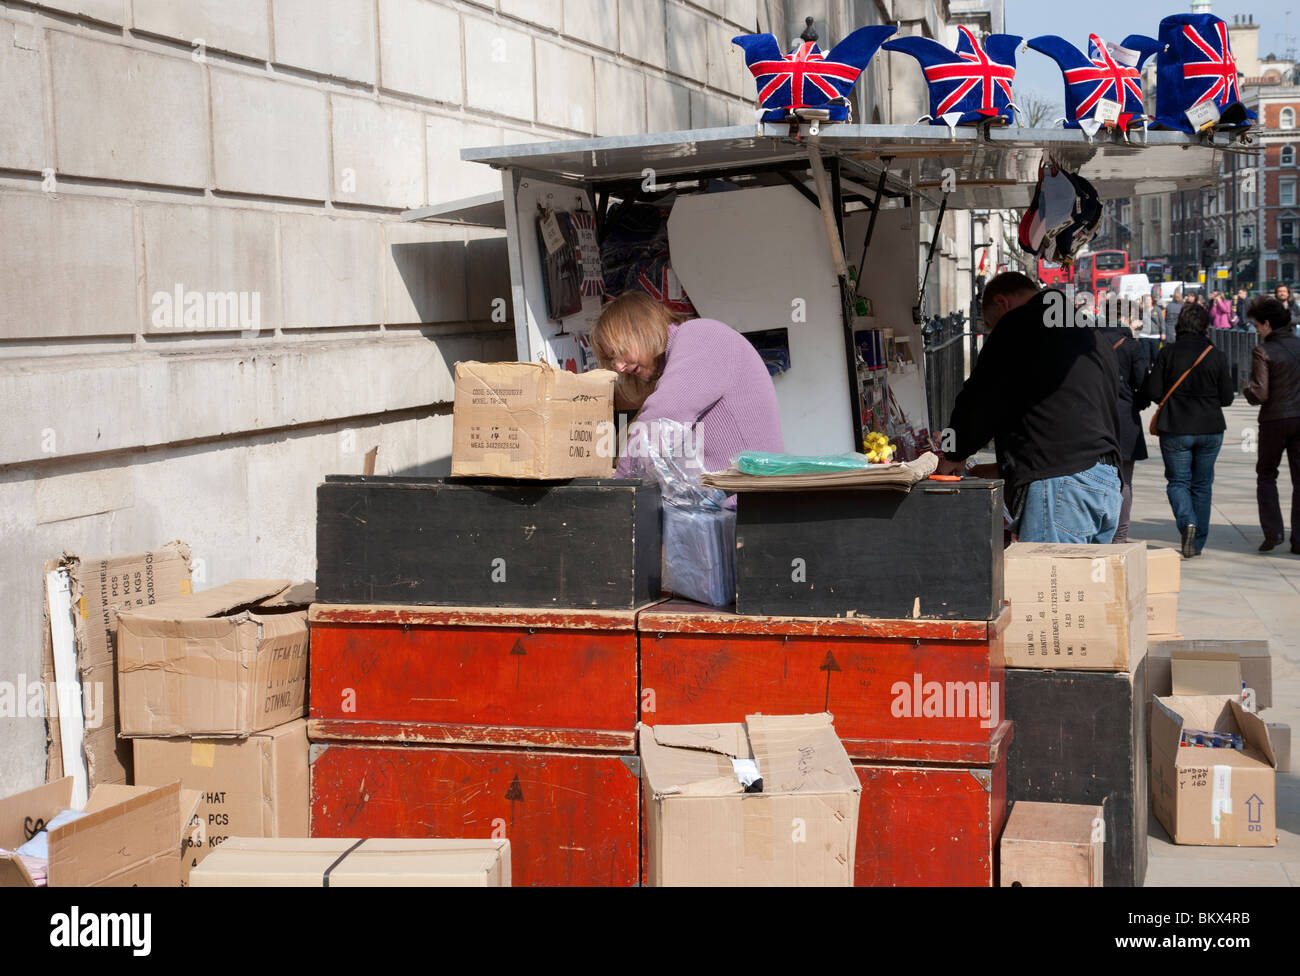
(1076,688)
(1164,570)
(213,694)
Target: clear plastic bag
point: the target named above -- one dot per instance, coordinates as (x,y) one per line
(699,530)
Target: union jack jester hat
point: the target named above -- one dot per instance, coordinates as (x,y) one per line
(807,77)
(972,84)
(1109,71)
(1195,66)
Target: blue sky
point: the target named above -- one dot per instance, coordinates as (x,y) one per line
(1114,20)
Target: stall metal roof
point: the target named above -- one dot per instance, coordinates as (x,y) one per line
(993,170)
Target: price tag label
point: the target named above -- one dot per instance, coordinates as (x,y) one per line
(1202,115)
(1107,112)
(551,234)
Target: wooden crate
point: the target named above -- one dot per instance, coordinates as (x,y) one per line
(571,818)
(503,677)
(1081,738)
(484,543)
(930,825)
(1052,845)
(934,552)
(700,665)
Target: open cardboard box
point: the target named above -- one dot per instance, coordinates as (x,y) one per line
(131,835)
(702,828)
(1212,797)
(231,660)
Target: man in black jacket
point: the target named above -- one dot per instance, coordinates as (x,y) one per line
(1044,390)
(1274,387)
(1134,363)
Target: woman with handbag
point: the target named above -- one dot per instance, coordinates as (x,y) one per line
(1191,384)
(1274,387)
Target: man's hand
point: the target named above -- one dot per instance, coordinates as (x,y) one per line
(951,467)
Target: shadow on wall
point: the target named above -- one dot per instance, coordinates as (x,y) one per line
(451,282)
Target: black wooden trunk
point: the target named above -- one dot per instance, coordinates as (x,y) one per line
(488,543)
(1081,738)
(934,552)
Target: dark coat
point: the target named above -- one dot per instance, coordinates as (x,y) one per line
(1275,376)
(1196,407)
(1134,364)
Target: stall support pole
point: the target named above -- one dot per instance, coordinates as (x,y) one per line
(832,216)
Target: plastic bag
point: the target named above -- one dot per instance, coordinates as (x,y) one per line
(699,530)
(762,463)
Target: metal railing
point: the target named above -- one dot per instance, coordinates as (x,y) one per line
(1238,345)
(946,364)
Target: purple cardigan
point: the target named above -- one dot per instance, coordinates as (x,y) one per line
(714,376)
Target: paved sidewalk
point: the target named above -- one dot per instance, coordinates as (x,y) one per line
(1232,591)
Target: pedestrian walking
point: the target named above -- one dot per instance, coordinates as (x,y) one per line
(1283,294)
(1192,384)
(1220,310)
(1134,363)
(1274,387)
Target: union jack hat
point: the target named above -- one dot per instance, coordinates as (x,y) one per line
(1108,71)
(807,77)
(971,84)
(1195,66)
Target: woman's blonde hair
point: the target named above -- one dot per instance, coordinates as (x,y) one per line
(632,323)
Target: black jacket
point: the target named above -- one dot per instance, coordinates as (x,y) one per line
(1046,395)
(1274,384)
(1196,407)
(1134,364)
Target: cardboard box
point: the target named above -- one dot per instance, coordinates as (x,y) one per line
(1053,845)
(703,829)
(531,420)
(1162,614)
(1075,606)
(221,662)
(130,837)
(322,862)
(253,787)
(1256,664)
(1212,797)
(1279,737)
(1164,569)
(100,588)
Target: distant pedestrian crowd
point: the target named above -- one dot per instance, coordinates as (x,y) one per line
(1063,406)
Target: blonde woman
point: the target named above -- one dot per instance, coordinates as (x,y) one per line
(699,372)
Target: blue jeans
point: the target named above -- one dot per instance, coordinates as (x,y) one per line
(1080,508)
(1189,469)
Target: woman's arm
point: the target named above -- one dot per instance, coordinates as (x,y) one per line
(1257,387)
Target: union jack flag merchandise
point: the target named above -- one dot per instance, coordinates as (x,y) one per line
(807,77)
(583,225)
(1195,67)
(1108,72)
(972,84)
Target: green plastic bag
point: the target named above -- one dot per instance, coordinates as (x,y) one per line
(763,463)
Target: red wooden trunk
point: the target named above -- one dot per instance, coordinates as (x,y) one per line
(571,818)
(930,825)
(879,678)
(550,678)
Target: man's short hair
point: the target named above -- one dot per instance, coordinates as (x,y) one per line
(1006,284)
(1270,310)
(1194,319)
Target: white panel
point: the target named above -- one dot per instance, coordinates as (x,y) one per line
(744,258)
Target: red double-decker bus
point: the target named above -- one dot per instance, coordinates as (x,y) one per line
(1095,270)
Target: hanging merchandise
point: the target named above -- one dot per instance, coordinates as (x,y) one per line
(634,255)
(1196,75)
(1104,88)
(561,278)
(807,77)
(1063,217)
(582,224)
(970,85)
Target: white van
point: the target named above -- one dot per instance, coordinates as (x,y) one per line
(1133,286)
